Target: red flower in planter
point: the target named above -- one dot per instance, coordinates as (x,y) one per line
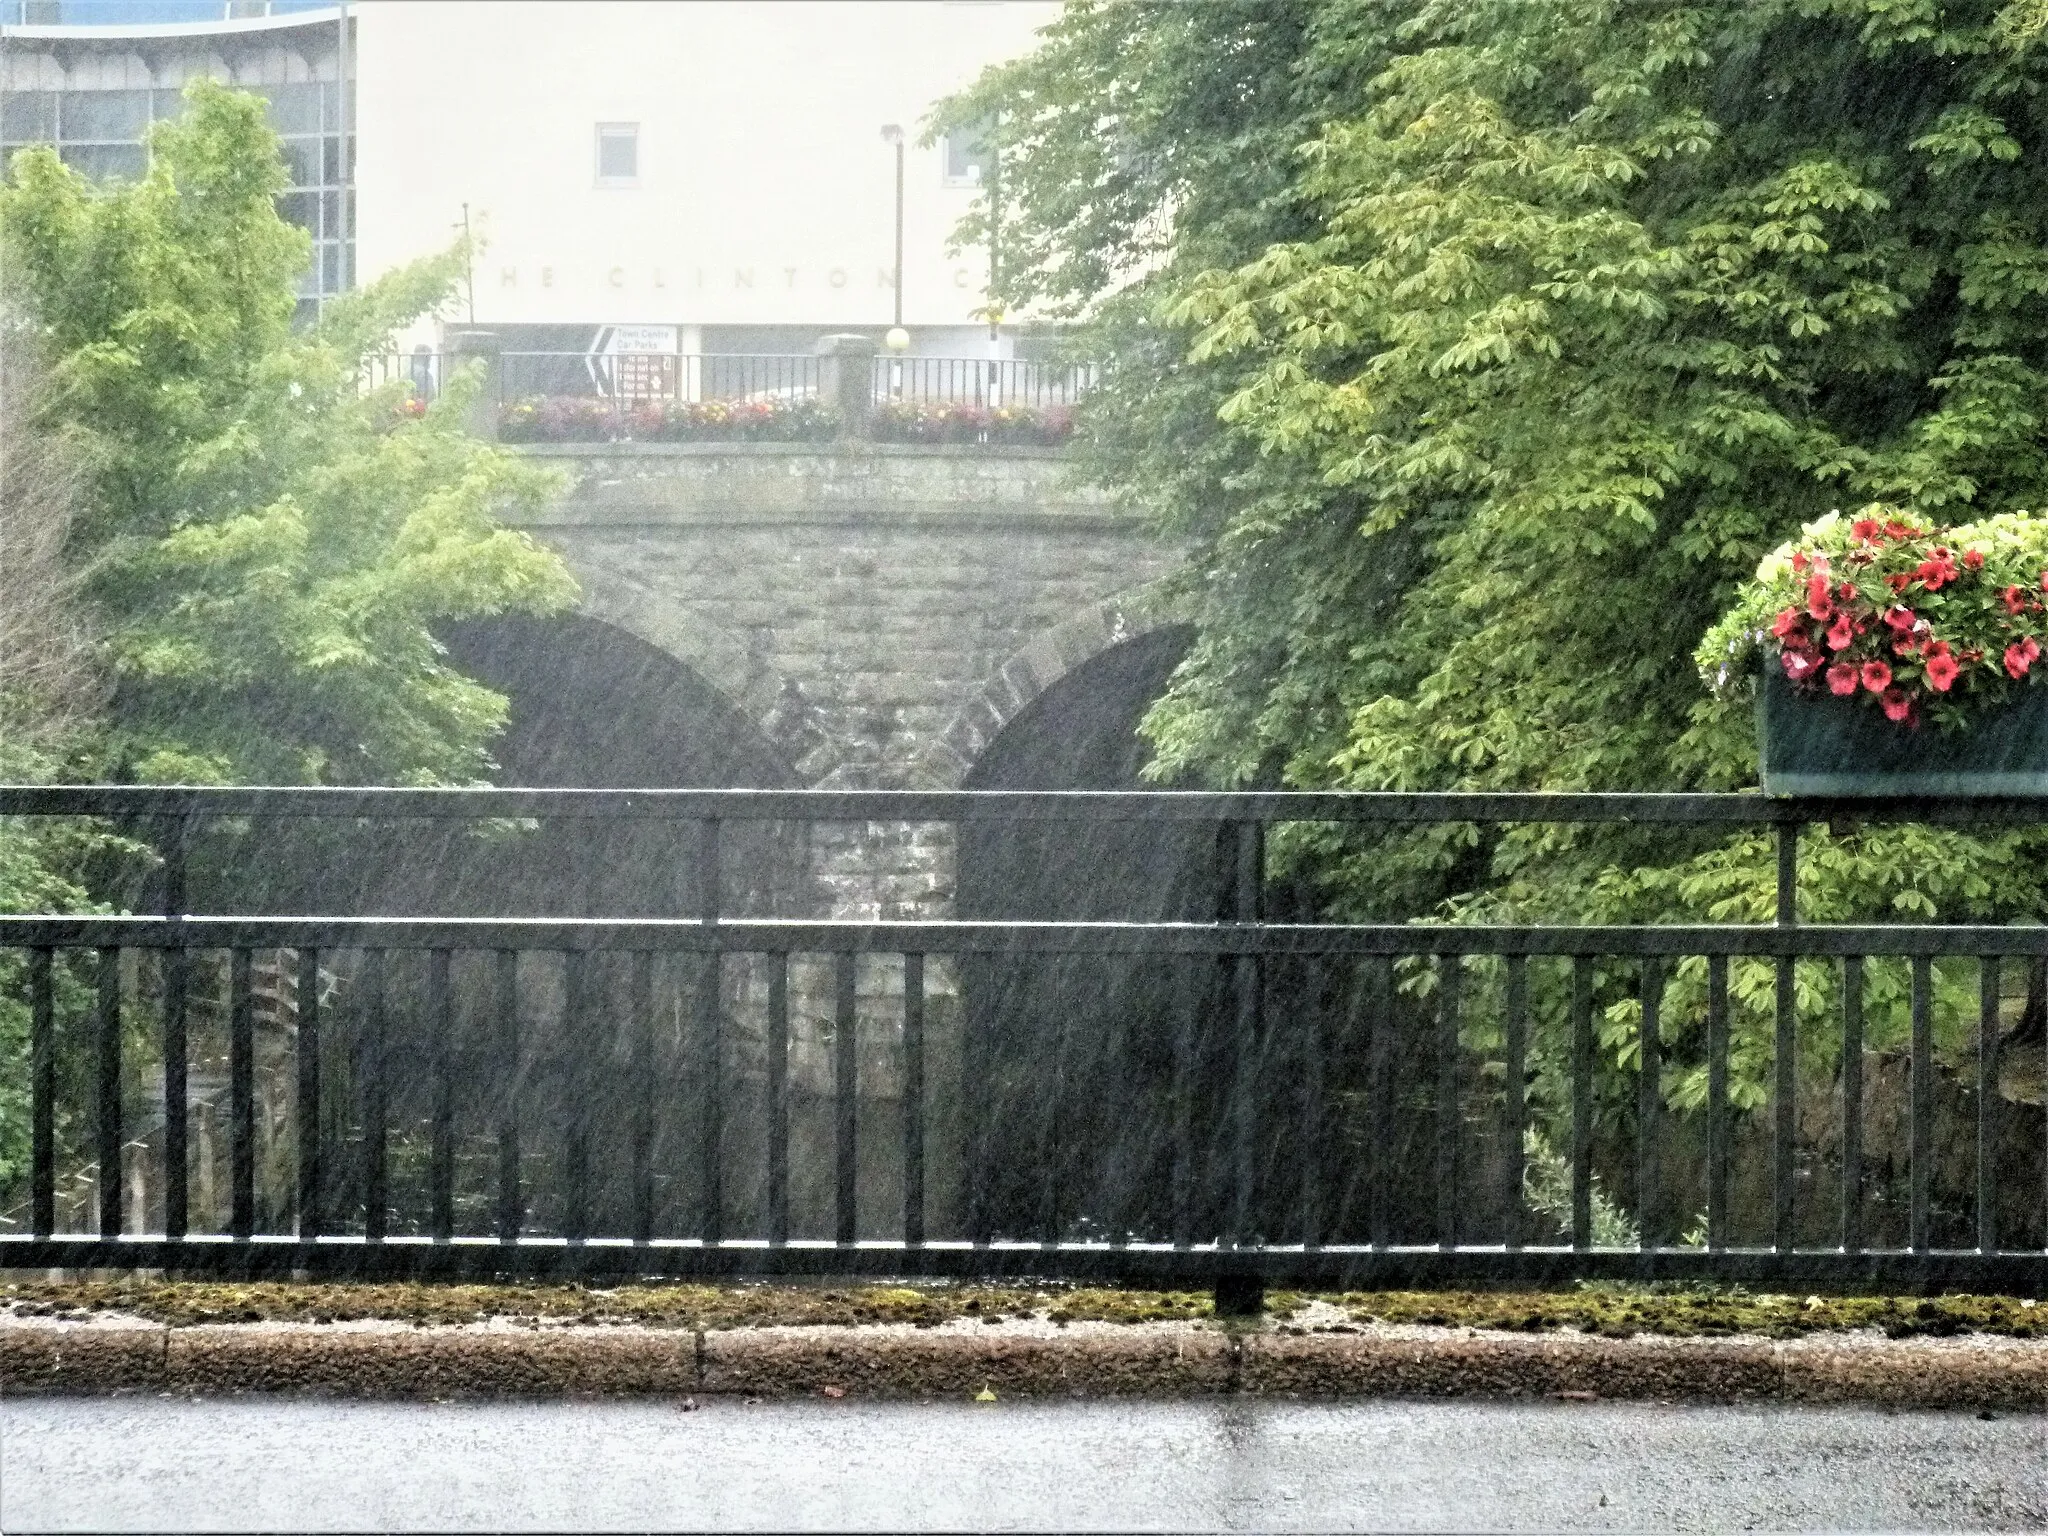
(1818,602)
(1942,669)
(2015,602)
(1900,619)
(1842,679)
(1789,622)
(1876,676)
(2021,655)
(1974,559)
(1898,581)
(1868,529)
(1799,665)
(1897,706)
(1939,571)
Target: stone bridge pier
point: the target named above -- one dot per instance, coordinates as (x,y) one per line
(830,616)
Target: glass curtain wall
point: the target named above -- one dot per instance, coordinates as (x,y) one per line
(100,133)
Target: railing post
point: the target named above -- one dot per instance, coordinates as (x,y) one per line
(846,369)
(466,346)
(1239,1292)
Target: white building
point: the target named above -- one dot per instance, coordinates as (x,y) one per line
(715,169)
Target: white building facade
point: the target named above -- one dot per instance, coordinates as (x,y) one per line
(712,175)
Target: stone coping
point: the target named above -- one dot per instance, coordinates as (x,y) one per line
(854,447)
(1017,1357)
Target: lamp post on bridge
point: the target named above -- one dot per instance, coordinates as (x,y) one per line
(898,339)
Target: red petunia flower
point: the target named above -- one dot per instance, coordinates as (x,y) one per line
(1897,705)
(1876,676)
(1942,671)
(1842,678)
(1868,529)
(1799,563)
(1842,635)
(2021,655)
(1817,602)
(1898,581)
(1799,665)
(1899,530)
(1900,619)
(2015,602)
(1974,559)
(1939,571)
(1846,591)
(1789,621)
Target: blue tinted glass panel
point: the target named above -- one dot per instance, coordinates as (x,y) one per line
(104,161)
(137,13)
(102,114)
(28,116)
(294,108)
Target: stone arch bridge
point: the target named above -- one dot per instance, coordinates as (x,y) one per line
(841,616)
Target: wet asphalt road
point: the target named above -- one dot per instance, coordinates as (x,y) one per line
(252,1464)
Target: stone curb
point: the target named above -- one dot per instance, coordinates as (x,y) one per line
(1160,1361)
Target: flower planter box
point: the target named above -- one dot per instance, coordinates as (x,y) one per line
(1824,745)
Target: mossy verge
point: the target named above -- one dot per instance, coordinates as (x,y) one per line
(1616,1311)
(182,1303)
(1619,1312)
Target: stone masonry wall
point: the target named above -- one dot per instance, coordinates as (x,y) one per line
(879,612)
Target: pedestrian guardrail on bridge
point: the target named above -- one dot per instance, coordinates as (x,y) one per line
(1337,1105)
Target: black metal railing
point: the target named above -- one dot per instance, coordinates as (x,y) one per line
(1345,1104)
(626,379)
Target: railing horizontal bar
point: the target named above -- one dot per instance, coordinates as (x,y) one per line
(1348,1266)
(1003,805)
(802,936)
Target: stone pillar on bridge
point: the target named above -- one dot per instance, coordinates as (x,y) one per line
(469,346)
(846,371)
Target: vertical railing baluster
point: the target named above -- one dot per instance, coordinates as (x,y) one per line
(441,1048)
(1852,1104)
(710,1039)
(107,1119)
(1784,1105)
(511,1202)
(778,1097)
(1788,874)
(1920,1093)
(846,1100)
(1717,1102)
(242,1095)
(1450,974)
(1987,1104)
(1379,1093)
(177,1097)
(1516,1107)
(1052,1115)
(1183,1112)
(1313,1032)
(1582,1101)
(575,1078)
(306,1049)
(376,1099)
(42,1093)
(1248,974)
(1650,1110)
(913,1100)
(642,1131)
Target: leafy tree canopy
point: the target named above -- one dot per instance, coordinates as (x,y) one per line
(1480,348)
(266,545)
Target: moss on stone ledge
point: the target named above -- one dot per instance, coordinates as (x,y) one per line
(1617,1311)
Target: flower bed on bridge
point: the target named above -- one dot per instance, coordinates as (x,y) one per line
(596,419)
(934,421)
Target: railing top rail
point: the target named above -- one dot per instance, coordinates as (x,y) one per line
(946,936)
(963,805)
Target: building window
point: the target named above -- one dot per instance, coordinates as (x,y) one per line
(618,154)
(967,156)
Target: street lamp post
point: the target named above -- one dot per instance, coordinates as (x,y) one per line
(898,339)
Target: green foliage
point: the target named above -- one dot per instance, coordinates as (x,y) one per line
(268,544)
(1480,349)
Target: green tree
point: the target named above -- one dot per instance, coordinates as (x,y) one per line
(1479,348)
(268,545)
